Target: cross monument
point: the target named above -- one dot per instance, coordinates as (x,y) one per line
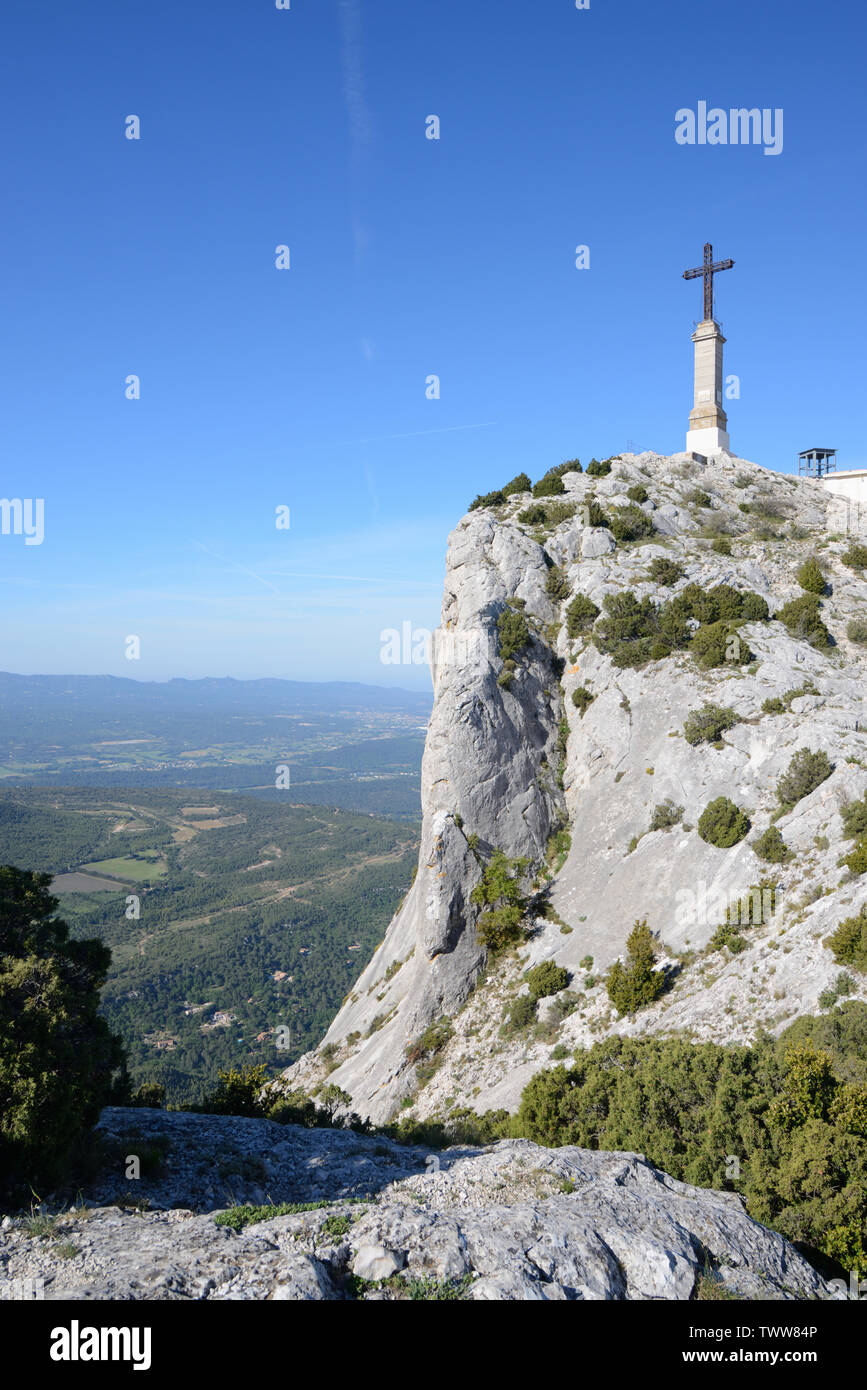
(707,420)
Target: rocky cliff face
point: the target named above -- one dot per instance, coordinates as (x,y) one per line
(495,767)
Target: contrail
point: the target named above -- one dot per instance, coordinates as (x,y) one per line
(413,434)
(223,560)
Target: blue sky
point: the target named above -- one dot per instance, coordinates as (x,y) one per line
(409,257)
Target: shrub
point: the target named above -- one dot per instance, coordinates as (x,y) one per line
(728,935)
(854,817)
(534,515)
(856,860)
(849,941)
(665,571)
(773,705)
(855,557)
(630,523)
(856,631)
(630,630)
(581,614)
(59,1062)
(811,577)
(800,616)
(665,815)
(431,1041)
(772,847)
(500,893)
(722,546)
(556,584)
(754,608)
(595,469)
(637,493)
(805,773)
(699,498)
(582,699)
(549,486)
(719,643)
(150,1096)
(488,499)
(636,983)
(521,483)
(722,824)
(593,513)
(571,466)
(514,632)
(705,725)
(555,512)
(546,978)
(520,1014)
(238,1092)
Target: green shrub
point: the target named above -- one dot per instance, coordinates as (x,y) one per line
(800,616)
(811,577)
(520,1014)
(514,632)
(488,499)
(636,983)
(773,705)
(754,608)
(849,941)
(856,631)
(706,725)
(582,699)
(637,493)
(150,1096)
(546,978)
(630,630)
(549,486)
(593,513)
(698,498)
(771,847)
(238,1092)
(499,892)
(581,614)
(856,860)
(855,557)
(534,515)
(629,523)
(728,935)
(556,584)
(431,1041)
(521,483)
(507,675)
(719,643)
(665,815)
(722,546)
(665,571)
(805,773)
(854,817)
(59,1062)
(595,469)
(555,512)
(722,824)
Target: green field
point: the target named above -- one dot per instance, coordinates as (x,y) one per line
(136,870)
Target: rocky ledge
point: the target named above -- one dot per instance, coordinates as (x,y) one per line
(513,1221)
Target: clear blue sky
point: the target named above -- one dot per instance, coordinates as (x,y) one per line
(409,257)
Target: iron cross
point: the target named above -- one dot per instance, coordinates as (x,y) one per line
(708,271)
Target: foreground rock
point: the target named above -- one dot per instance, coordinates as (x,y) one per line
(511,1222)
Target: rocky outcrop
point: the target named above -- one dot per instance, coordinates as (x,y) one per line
(489,770)
(512,1221)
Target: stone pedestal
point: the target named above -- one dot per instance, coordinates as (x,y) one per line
(707,420)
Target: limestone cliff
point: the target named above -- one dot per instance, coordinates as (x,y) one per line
(495,767)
